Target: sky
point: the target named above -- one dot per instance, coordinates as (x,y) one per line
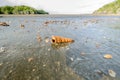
(61,6)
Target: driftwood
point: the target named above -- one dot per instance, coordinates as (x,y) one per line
(59,39)
(3,24)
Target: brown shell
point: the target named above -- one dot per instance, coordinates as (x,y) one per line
(59,39)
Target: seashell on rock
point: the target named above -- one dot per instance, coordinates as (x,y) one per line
(59,39)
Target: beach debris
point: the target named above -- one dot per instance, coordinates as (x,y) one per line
(30,59)
(22,26)
(112,73)
(107,56)
(3,24)
(59,39)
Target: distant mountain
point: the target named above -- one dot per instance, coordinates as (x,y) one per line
(112,8)
(20,10)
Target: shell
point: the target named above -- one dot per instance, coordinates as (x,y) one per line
(112,73)
(59,39)
(107,56)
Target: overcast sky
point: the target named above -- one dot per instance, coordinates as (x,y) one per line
(61,6)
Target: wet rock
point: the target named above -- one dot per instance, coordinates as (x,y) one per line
(3,24)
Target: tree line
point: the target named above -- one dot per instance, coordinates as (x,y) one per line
(20,10)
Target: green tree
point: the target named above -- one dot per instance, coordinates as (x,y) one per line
(20,10)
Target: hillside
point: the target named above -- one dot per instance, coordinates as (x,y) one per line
(20,10)
(112,8)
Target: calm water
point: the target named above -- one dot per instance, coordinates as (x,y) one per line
(24,57)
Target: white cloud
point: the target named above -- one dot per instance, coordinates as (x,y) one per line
(64,6)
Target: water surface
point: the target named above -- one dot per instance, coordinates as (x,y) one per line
(24,57)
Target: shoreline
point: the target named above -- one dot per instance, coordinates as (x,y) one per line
(4,15)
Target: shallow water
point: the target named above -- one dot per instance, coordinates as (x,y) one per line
(24,57)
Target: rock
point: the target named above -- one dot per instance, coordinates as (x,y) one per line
(3,24)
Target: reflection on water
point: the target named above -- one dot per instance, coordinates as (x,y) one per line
(26,56)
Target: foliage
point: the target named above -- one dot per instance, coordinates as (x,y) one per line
(20,10)
(112,8)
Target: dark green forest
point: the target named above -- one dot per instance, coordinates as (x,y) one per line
(20,10)
(111,8)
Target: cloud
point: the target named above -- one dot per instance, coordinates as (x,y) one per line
(64,6)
